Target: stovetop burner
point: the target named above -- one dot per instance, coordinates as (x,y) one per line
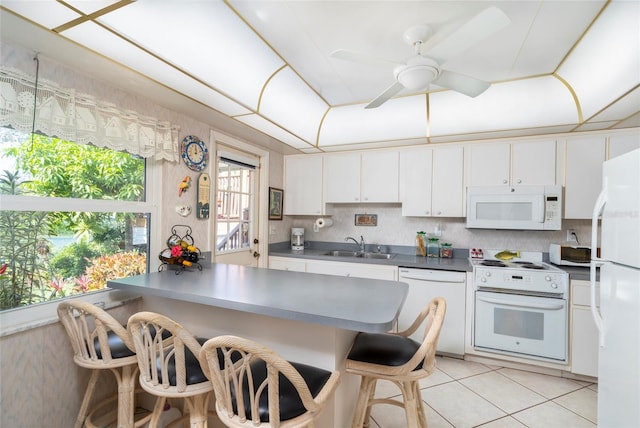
(532,266)
(493,263)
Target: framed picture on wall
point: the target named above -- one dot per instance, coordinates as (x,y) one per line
(275,203)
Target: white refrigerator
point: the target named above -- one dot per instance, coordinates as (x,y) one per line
(618,318)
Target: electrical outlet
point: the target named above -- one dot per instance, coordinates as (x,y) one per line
(571,235)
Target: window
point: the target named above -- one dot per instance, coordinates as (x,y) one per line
(72,216)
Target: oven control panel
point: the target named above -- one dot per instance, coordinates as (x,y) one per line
(521,280)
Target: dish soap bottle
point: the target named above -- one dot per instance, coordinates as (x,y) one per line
(433,247)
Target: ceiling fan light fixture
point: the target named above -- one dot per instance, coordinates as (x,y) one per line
(417,76)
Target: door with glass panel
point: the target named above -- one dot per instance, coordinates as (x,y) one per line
(236,222)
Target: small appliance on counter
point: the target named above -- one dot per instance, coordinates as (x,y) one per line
(297,238)
(568,255)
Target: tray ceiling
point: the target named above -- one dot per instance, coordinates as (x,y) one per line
(267,66)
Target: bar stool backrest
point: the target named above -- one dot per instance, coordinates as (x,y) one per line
(93,332)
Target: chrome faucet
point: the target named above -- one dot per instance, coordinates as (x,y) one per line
(359,244)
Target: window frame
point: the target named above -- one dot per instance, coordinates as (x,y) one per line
(23,318)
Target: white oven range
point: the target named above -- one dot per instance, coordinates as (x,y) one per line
(521,308)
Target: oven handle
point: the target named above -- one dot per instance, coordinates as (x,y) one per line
(522,305)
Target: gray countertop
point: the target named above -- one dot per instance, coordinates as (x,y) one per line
(347,303)
(404,260)
(459,263)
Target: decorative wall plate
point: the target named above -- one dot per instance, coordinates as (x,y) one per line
(194,153)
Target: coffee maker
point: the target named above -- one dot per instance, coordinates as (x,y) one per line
(297,238)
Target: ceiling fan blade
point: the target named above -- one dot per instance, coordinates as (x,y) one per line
(466,85)
(361,58)
(481,26)
(383,97)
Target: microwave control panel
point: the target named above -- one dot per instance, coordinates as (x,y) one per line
(552,209)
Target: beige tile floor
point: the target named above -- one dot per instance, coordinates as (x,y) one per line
(469,394)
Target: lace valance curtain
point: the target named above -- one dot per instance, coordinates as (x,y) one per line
(63,113)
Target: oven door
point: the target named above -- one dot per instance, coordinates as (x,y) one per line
(525,325)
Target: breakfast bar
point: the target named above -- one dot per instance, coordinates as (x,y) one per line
(308,318)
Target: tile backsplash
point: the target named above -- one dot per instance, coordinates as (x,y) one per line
(394,229)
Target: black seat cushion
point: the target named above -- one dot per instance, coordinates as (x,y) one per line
(117,346)
(194,370)
(383,349)
(290,403)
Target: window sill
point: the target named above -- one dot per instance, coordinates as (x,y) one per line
(16,320)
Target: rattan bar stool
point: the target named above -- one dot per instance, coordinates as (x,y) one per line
(169,367)
(256,387)
(100,343)
(397,358)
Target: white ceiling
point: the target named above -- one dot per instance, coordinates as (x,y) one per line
(559,66)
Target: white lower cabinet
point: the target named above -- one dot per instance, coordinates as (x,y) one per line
(287,263)
(355,270)
(584,334)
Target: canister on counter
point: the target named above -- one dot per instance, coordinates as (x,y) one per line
(446,250)
(421,244)
(433,247)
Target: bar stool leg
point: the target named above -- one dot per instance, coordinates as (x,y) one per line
(86,401)
(363,409)
(126,394)
(197,407)
(422,415)
(372,393)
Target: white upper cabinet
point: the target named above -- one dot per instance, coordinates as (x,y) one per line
(357,178)
(583,175)
(489,164)
(416,172)
(303,185)
(512,164)
(620,144)
(342,177)
(432,182)
(447,186)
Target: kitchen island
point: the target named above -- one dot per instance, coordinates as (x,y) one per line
(308,318)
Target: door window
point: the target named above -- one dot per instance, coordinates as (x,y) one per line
(234,207)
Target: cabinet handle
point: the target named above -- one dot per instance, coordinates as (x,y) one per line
(519,181)
(427,212)
(504,181)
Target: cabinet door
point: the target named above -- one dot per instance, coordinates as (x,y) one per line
(533,163)
(342,177)
(379,176)
(584,342)
(489,164)
(623,143)
(583,176)
(584,333)
(354,270)
(303,185)
(447,198)
(286,263)
(415,182)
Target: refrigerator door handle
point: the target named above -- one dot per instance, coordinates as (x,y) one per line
(595,261)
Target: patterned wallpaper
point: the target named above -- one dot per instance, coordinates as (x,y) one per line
(40,385)
(394,229)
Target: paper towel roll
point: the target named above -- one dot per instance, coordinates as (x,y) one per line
(323,222)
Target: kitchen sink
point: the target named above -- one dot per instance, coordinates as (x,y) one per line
(385,256)
(339,253)
(342,253)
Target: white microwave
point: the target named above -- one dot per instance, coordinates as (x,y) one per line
(516,208)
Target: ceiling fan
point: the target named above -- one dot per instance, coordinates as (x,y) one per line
(431,51)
